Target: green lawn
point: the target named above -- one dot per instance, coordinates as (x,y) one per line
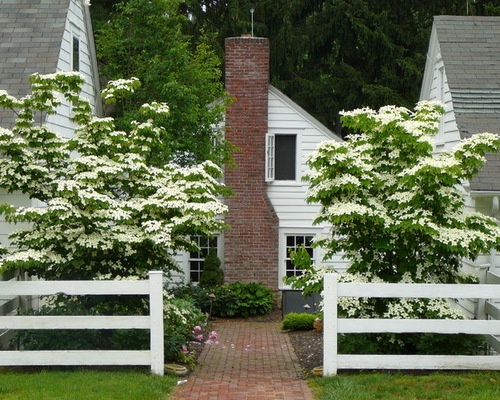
(406,386)
(84,385)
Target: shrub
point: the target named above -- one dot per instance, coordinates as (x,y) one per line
(212,274)
(298,322)
(234,300)
(253,298)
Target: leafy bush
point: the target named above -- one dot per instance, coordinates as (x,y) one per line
(212,274)
(254,298)
(234,300)
(298,322)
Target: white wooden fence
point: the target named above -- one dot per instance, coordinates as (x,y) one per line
(153,322)
(332,326)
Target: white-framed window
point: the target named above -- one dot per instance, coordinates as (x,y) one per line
(281,157)
(196,259)
(440,95)
(75,53)
(292,243)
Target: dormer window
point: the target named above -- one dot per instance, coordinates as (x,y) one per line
(281,157)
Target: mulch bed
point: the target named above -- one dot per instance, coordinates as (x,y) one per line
(308,346)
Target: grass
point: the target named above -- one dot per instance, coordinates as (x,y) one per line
(401,386)
(84,385)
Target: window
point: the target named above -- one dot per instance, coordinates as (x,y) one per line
(293,242)
(281,157)
(76,53)
(197,258)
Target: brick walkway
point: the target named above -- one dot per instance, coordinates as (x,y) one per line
(252,361)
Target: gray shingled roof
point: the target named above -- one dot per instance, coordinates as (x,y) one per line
(470,47)
(31,33)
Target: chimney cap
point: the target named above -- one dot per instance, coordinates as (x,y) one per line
(244,38)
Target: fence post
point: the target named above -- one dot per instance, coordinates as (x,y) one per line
(330,300)
(156,318)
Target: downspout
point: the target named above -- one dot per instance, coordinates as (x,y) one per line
(495,205)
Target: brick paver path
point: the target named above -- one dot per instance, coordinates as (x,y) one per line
(252,361)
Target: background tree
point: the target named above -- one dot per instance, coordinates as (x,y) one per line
(212,274)
(331,55)
(144,39)
(109,211)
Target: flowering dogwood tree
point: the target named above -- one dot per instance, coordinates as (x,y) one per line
(396,209)
(105,210)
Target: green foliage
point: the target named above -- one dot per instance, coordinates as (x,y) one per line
(212,274)
(311,280)
(409,343)
(233,300)
(332,55)
(253,298)
(298,322)
(145,40)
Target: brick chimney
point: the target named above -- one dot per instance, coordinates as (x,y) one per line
(251,243)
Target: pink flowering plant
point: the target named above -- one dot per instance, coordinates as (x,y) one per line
(191,349)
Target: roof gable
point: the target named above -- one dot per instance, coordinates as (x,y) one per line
(36,37)
(313,122)
(470,51)
(30,40)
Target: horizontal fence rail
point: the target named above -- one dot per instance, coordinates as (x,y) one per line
(332,326)
(153,287)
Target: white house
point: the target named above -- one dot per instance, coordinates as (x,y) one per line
(463,71)
(43,36)
(268,214)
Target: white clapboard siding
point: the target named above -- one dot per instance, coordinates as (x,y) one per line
(332,326)
(289,198)
(154,323)
(78,24)
(296,216)
(435,87)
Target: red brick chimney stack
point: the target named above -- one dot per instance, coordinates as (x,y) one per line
(251,243)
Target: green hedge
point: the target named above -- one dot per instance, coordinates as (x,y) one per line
(298,322)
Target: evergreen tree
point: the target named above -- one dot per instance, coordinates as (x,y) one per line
(212,274)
